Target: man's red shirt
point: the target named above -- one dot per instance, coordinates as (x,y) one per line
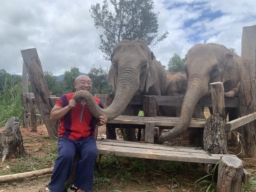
(78,123)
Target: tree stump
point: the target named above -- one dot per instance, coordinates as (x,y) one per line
(230,174)
(11,141)
(215,139)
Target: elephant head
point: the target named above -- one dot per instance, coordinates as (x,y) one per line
(205,64)
(177,83)
(133,71)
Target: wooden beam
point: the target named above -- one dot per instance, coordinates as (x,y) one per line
(248,93)
(176,100)
(149,132)
(232,102)
(149,106)
(159,121)
(232,125)
(39,87)
(218,103)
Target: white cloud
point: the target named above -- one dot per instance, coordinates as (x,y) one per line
(64,34)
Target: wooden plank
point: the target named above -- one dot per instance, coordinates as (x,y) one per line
(229,101)
(177,100)
(232,125)
(169,100)
(159,121)
(149,132)
(122,143)
(158,154)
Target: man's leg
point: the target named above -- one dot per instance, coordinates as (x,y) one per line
(63,164)
(85,167)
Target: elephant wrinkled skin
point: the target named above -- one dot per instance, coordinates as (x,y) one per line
(206,63)
(133,71)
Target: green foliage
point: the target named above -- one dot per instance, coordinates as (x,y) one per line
(232,50)
(99,81)
(69,79)
(10,100)
(3,75)
(129,20)
(57,87)
(176,64)
(208,181)
(251,185)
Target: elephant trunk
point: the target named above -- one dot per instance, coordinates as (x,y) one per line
(127,86)
(196,89)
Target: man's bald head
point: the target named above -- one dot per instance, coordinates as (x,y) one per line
(83,82)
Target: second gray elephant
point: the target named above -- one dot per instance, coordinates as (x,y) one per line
(206,63)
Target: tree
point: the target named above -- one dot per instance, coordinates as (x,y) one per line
(131,19)
(232,50)
(99,80)
(53,85)
(69,79)
(176,63)
(3,75)
(50,81)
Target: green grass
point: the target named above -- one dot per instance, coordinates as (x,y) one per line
(143,172)
(31,161)
(10,101)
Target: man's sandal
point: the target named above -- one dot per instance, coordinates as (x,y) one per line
(47,189)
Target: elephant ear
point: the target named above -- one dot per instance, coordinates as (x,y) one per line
(151,77)
(112,77)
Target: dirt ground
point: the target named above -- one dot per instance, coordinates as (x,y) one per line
(37,184)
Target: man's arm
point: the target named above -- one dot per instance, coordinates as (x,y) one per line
(58,112)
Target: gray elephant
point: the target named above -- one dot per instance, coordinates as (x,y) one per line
(205,64)
(177,86)
(177,83)
(133,71)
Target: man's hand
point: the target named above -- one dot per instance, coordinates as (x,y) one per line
(72,103)
(102,120)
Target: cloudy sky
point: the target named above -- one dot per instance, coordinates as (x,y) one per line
(64,35)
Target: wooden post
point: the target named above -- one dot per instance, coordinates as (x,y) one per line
(32,114)
(149,106)
(150,110)
(230,174)
(248,91)
(215,140)
(39,87)
(24,95)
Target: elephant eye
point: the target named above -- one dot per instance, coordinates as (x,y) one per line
(114,65)
(214,71)
(144,65)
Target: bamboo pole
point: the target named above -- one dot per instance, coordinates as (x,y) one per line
(25,175)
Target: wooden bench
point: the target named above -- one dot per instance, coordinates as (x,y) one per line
(156,151)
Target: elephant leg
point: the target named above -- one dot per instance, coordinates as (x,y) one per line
(198,112)
(130,134)
(232,113)
(139,134)
(110,131)
(194,137)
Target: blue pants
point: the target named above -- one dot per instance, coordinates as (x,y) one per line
(64,163)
